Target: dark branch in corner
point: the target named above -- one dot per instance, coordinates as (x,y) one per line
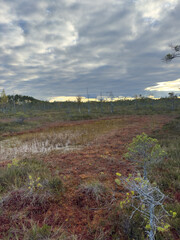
(175,53)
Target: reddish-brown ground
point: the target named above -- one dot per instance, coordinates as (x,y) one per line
(100,160)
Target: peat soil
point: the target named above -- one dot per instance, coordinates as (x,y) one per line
(78,212)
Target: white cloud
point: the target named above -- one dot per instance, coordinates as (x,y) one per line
(6,16)
(166,86)
(12,36)
(155,9)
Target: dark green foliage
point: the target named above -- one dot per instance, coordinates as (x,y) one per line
(21,98)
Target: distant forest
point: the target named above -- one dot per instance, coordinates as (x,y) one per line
(20,98)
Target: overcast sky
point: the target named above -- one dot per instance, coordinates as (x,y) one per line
(51,48)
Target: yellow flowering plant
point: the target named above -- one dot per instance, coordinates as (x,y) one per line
(34,183)
(147,199)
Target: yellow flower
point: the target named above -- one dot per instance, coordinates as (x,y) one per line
(174,214)
(117,181)
(166,226)
(147,226)
(143,207)
(160,229)
(121,204)
(119,174)
(39,185)
(137,179)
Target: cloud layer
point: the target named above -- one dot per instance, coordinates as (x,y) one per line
(61,48)
(168,86)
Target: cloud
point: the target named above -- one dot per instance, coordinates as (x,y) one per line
(155,10)
(57,48)
(168,86)
(70,98)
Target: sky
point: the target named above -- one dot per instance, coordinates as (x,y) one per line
(55,49)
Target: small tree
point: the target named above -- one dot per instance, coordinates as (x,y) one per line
(101,99)
(89,109)
(148,200)
(111,96)
(4,100)
(172,97)
(145,151)
(79,101)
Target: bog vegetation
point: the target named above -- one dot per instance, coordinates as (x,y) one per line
(114,177)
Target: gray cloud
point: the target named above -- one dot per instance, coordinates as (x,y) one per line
(53,48)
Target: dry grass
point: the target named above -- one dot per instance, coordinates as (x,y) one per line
(66,138)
